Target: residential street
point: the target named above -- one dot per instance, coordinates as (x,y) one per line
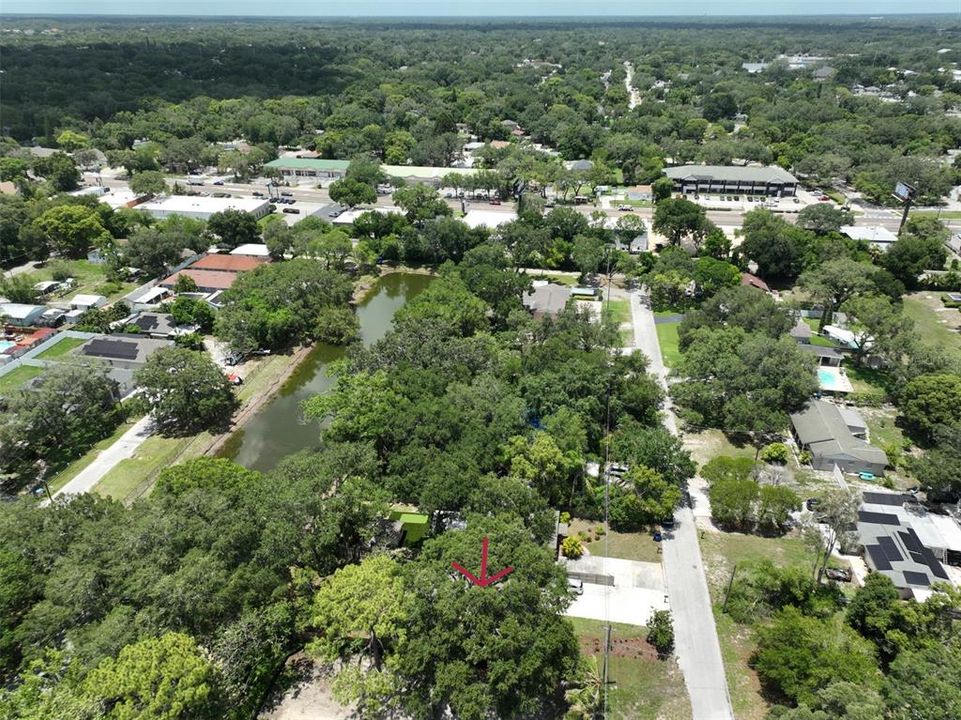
(695,635)
(123,448)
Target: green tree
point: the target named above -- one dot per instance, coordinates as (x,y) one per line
(58,170)
(541,463)
(185,391)
(19,289)
(834,283)
(148,182)
(774,244)
(352,193)
(164,678)
(588,253)
(824,218)
(71,230)
(70,140)
(662,188)
(660,632)
(924,683)
(734,502)
(879,328)
(775,505)
(930,401)
(153,250)
(937,469)
(677,219)
(191,311)
(798,655)
(920,247)
(421,203)
(234,228)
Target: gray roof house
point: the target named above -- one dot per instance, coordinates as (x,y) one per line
(905,542)
(20,314)
(801,332)
(825,355)
(822,430)
(547,300)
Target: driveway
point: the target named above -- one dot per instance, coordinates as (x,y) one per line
(123,448)
(638,590)
(695,635)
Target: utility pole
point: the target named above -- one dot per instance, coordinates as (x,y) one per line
(729,585)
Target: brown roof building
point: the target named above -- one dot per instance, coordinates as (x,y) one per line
(228,263)
(207,280)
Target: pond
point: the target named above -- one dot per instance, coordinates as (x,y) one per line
(279,429)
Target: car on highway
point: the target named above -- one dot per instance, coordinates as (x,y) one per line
(286,193)
(495,201)
(258,194)
(624,208)
(218,182)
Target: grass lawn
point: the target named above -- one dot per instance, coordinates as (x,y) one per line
(74,468)
(818,340)
(737,645)
(89,278)
(864,379)
(618,310)
(642,687)
(568,280)
(708,444)
(668,340)
(943,214)
(921,308)
(881,428)
(17,377)
(61,348)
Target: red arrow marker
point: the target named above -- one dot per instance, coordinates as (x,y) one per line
(483,580)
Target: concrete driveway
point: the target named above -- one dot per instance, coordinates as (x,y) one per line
(638,590)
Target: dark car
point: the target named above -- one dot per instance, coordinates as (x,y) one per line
(812,503)
(258,194)
(495,201)
(839,574)
(667,523)
(286,193)
(292,211)
(218,182)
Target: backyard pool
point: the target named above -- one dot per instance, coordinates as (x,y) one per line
(6,345)
(833,379)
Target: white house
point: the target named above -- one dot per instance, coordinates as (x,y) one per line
(86,302)
(20,314)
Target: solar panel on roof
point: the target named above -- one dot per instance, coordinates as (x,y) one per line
(876,518)
(911,540)
(916,578)
(875,498)
(117,349)
(878,557)
(147,322)
(890,549)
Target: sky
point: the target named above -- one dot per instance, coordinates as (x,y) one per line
(488,8)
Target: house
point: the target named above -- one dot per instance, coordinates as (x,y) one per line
(821,430)
(826,357)
(546,299)
(906,543)
(753,68)
(731,179)
(843,337)
(499,144)
(228,263)
(20,314)
(87,302)
(408,526)
(856,424)
(755,282)
(208,281)
(643,193)
(875,235)
(161,325)
(45,287)
(121,351)
(953,244)
(487,218)
(824,73)
(801,332)
(579,165)
(150,298)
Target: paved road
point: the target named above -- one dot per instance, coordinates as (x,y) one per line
(123,448)
(695,635)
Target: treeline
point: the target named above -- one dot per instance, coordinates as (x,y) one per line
(195,596)
(404,95)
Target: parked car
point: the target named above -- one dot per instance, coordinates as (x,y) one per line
(292,211)
(667,523)
(824,198)
(812,503)
(258,194)
(495,201)
(234,358)
(576,585)
(286,193)
(839,574)
(334,213)
(235,379)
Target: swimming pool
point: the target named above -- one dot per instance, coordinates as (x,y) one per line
(833,379)
(6,345)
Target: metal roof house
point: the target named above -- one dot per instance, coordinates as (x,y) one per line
(828,357)
(731,179)
(821,429)
(878,236)
(20,314)
(905,542)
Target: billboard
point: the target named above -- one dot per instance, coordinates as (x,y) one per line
(904,192)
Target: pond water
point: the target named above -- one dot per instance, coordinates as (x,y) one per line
(279,429)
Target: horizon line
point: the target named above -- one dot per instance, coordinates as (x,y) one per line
(4,14)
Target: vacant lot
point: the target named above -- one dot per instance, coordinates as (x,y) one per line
(15,378)
(667,337)
(89,278)
(937,324)
(642,687)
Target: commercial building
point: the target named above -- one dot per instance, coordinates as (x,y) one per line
(767,180)
(822,430)
(201,208)
(905,542)
(297,167)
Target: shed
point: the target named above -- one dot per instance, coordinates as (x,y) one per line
(86,302)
